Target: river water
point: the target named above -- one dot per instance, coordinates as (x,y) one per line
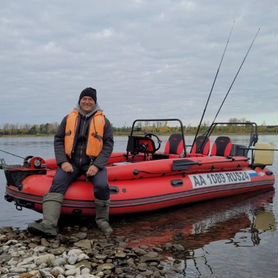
(230,237)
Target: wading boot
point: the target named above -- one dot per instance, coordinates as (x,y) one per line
(102,216)
(52,203)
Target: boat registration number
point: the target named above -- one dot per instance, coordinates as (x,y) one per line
(220,178)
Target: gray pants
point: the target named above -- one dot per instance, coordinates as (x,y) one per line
(63,180)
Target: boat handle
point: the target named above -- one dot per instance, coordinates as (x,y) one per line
(177,183)
(114,189)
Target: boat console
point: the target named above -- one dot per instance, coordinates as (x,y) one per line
(140,144)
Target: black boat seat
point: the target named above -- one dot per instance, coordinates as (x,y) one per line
(174,145)
(201,146)
(222,146)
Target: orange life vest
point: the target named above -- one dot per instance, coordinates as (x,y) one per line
(95,134)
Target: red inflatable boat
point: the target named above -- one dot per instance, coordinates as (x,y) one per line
(144,178)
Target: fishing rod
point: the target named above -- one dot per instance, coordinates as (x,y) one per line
(232,83)
(12,154)
(212,87)
(236,74)
(27,162)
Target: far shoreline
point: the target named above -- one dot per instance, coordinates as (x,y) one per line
(127,134)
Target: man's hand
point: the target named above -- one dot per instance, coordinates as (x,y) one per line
(92,171)
(67,167)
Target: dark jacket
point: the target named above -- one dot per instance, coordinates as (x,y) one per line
(79,157)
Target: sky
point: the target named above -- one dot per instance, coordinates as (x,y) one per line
(146,59)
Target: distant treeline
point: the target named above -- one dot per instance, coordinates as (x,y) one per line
(27,129)
(158,128)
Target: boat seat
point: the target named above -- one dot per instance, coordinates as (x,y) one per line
(174,145)
(222,146)
(201,146)
(140,144)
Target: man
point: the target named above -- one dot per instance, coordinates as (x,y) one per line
(83,145)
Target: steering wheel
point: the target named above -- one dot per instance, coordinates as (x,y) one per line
(158,141)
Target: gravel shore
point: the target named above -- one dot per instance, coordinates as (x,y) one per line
(83,252)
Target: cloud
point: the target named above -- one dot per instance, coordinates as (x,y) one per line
(146,59)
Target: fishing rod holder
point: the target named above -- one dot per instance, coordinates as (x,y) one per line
(4,166)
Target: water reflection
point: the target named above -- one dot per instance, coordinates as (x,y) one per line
(199,224)
(187,231)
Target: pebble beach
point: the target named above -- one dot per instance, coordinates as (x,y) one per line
(82,252)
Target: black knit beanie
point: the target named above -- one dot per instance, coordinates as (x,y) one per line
(88,92)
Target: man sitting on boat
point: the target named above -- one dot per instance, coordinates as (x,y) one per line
(83,145)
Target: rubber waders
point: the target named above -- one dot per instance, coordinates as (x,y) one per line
(52,203)
(102,216)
